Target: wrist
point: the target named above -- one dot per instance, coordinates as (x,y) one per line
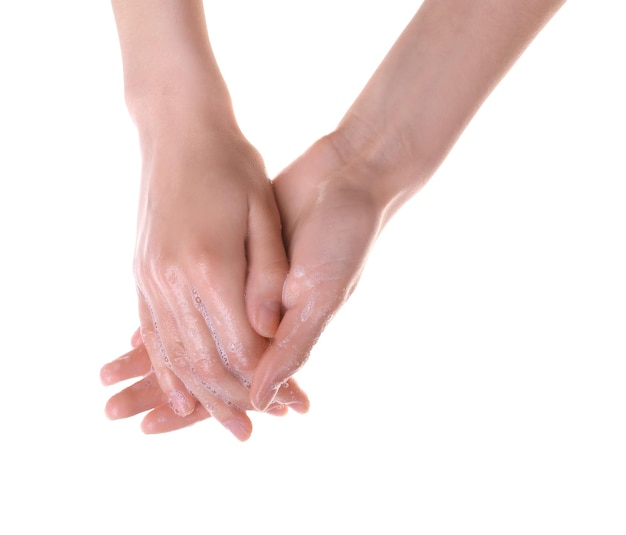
(180,108)
(429,86)
(343,165)
(389,170)
(170,72)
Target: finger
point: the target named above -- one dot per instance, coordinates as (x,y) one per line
(146,394)
(163,420)
(231,417)
(219,299)
(135,363)
(181,401)
(289,395)
(267,267)
(286,355)
(142,396)
(135,340)
(310,303)
(277,410)
(173,354)
(200,359)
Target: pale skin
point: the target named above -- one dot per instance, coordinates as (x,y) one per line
(347,185)
(209,261)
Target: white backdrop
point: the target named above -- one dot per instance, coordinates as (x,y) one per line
(473,384)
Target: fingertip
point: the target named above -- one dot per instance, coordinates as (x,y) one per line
(241,429)
(301,407)
(160,420)
(149,427)
(117,370)
(267,318)
(136,340)
(263,399)
(111,410)
(181,404)
(265,386)
(293,396)
(277,410)
(163,420)
(105,376)
(267,267)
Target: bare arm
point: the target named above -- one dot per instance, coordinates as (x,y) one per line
(389,143)
(449,58)
(209,259)
(336,197)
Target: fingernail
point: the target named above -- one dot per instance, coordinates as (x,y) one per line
(179,403)
(268,318)
(241,430)
(277,410)
(265,400)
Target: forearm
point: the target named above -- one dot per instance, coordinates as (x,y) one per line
(169,67)
(429,86)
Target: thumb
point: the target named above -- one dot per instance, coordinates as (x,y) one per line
(267,268)
(299,330)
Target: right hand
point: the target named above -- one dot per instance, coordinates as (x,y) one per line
(209,262)
(209,266)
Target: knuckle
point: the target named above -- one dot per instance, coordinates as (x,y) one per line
(166,274)
(150,338)
(207,268)
(210,407)
(162,272)
(239,358)
(206,369)
(179,360)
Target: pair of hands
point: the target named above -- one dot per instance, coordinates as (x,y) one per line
(230,306)
(236,276)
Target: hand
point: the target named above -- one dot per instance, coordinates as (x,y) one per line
(330,221)
(146,394)
(209,260)
(333,203)
(209,266)
(335,199)
(143,395)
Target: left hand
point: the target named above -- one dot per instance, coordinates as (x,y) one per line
(146,394)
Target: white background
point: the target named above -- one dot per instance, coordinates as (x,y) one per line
(475,383)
